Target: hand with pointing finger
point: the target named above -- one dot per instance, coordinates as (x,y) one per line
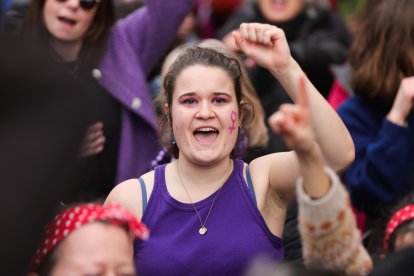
(293,122)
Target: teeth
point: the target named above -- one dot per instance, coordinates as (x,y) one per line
(205,129)
(67,20)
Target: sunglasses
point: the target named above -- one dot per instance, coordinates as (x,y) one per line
(85,4)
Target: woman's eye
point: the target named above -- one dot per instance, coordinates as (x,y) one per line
(189,101)
(220,100)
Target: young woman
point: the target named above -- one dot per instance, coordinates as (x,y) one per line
(122,138)
(210,213)
(254,137)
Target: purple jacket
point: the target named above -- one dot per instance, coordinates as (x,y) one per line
(135,45)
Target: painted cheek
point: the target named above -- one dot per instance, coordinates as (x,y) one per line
(233,118)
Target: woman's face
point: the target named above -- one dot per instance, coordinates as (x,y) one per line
(66,20)
(404,240)
(204,114)
(95,249)
(280,10)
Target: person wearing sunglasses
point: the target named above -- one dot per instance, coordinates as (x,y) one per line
(115,57)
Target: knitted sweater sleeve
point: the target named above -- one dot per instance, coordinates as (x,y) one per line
(328,231)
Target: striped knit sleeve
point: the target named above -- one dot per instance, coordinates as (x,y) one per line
(328,231)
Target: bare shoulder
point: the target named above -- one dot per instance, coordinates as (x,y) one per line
(129,193)
(261,166)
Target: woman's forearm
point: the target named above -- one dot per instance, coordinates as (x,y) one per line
(315,181)
(331,134)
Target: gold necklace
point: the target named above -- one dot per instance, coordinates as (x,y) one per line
(203,228)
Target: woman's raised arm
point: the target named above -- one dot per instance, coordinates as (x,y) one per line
(267,46)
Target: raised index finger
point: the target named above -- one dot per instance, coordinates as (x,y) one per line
(303,101)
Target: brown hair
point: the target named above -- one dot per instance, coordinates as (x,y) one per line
(382,53)
(210,57)
(94,41)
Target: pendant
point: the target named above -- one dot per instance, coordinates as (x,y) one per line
(202,230)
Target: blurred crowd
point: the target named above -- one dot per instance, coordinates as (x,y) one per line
(118,136)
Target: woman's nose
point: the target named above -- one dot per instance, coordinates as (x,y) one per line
(73,4)
(205,111)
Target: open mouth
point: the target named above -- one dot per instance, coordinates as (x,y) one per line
(66,20)
(278,4)
(206,135)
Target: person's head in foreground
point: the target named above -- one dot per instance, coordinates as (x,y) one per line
(399,232)
(89,239)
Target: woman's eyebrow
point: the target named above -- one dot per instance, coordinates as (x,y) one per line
(194,93)
(221,94)
(187,94)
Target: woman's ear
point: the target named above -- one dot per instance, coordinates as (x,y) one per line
(166,109)
(167,112)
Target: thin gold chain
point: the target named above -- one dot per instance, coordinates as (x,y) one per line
(214,200)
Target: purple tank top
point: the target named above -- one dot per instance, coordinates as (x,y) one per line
(237,233)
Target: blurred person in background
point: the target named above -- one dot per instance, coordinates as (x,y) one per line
(214,14)
(14,17)
(379,116)
(43,115)
(355,17)
(121,139)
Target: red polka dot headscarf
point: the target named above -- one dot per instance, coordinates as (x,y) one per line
(73,218)
(402,215)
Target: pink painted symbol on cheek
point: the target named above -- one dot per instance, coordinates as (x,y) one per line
(233,118)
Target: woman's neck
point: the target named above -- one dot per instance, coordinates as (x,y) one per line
(204,178)
(68,51)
